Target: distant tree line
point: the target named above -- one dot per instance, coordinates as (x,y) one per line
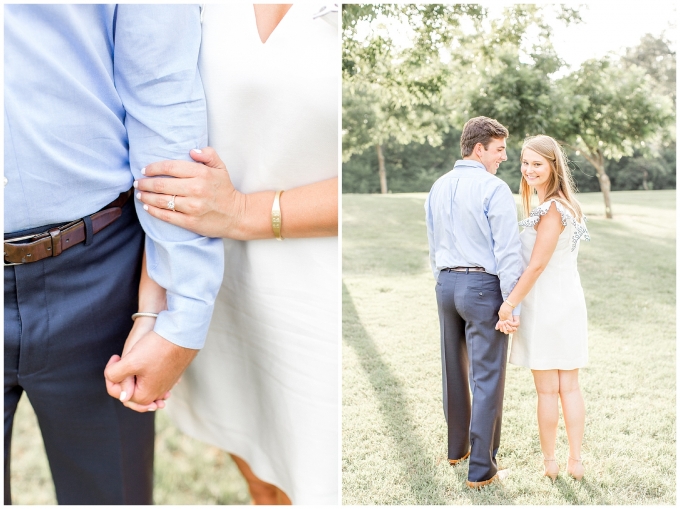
(403,108)
(414,168)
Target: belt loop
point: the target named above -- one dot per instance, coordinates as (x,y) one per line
(55,233)
(89,232)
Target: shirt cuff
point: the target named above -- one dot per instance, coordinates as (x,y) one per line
(185,323)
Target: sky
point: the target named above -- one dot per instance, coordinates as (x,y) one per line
(613,26)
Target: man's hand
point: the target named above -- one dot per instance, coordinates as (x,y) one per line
(156,365)
(508,326)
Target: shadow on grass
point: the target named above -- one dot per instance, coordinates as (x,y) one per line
(572,495)
(389,392)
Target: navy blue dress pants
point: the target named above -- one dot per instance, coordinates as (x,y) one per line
(474,357)
(64,318)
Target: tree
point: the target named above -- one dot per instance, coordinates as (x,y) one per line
(391,92)
(410,89)
(606,110)
(518,95)
(655,56)
(372,114)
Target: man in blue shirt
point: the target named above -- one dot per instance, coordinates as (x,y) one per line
(93,93)
(475,254)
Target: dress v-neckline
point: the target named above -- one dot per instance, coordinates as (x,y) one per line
(275,30)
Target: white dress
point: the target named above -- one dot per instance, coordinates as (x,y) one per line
(553,330)
(265,386)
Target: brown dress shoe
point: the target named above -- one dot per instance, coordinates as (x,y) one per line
(500,476)
(454,462)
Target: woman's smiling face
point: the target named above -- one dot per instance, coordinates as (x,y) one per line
(535,168)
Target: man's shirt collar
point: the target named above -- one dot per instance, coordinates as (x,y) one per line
(468,163)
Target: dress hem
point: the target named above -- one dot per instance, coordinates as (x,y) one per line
(190,427)
(542,367)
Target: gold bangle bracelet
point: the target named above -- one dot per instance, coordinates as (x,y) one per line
(513,306)
(276,216)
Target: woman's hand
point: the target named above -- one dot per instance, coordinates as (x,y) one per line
(152,298)
(125,390)
(505,312)
(206,201)
(506,322)
(509,325)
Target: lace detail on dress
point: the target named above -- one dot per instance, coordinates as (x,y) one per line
(579,229)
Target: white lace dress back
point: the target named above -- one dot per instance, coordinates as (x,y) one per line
(553,331)
(265,387)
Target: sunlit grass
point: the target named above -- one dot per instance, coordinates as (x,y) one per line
(394,433)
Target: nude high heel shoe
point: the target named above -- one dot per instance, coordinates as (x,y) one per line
(578,470)
(551,468)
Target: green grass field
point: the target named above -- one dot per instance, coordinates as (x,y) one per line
(394,433)
(186,471)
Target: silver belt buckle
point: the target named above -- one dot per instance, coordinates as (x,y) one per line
(17,239)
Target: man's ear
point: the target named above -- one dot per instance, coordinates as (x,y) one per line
(478,150)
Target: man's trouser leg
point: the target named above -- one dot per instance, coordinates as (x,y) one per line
(474,358)
(64,318)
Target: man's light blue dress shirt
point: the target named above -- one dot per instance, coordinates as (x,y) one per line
(471,221)
(93,93)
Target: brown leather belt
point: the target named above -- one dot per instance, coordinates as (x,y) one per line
(465,269)
(56,240)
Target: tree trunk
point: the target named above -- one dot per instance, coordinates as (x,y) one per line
(645,186)
(381,170)
(605,184)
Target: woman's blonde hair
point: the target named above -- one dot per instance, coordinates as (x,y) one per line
(560,183)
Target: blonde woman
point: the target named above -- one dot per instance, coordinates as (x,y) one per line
(552,339)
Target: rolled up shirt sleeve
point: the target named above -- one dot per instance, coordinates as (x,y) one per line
(507,248)
(156,73)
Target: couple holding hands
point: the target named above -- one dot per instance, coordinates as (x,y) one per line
(488,276)
(104,103)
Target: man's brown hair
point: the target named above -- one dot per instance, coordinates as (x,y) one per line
(480,130)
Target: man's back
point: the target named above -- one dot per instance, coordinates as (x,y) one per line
(86,96)
(472,222)
(64,120)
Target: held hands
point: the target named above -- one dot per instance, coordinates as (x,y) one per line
(507,322)
(149,368)
(206,201)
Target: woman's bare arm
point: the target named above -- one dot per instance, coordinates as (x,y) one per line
(207,203)
(547,234)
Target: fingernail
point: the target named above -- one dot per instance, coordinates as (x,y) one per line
(138,196)
(123,395)
(197,150)
(152,409)
(134,184)
(145,207)
(144,171)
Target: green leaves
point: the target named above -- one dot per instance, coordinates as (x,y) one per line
(412,73)
(393,88)
(610,108)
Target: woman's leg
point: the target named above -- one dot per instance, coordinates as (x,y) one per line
(574,418)
(262,493)
(547,387)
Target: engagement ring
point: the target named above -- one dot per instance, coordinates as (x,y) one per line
(171,203)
